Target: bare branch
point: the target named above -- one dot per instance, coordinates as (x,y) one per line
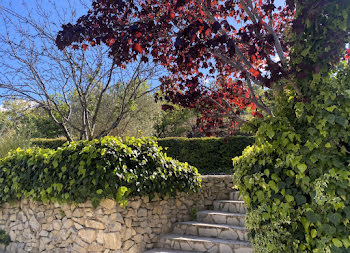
(227,112)
(255,101)
(73,86)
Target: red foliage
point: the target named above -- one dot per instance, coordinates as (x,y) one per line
(257,114)
(85,47)
(347,55)
(138,48)
(196,41)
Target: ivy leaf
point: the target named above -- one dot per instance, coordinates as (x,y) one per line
(328,229)
(55,163)
(328,145)
(335,218)
(260,195)
(313,217)
(346,243)
(300,199)
(337,243)
(313,233)
(330,118)
(341,121)
(270,133)
(121,192)
(331,108)
(302,167)
(289,198)
(347,211)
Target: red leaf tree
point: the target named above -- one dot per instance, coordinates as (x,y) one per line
(237,44)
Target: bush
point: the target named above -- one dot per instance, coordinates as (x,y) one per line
(4,238)
(209,155)
(48,143)
(296,179)
(12,140)
(97,169)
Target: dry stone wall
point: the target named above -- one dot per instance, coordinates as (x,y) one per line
(38,227)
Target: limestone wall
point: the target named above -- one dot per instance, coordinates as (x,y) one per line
(38,227)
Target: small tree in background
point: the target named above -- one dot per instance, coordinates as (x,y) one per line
(27,119)
(174,121)
(22,120)
(72,86)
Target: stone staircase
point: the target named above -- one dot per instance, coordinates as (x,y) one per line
(216,231)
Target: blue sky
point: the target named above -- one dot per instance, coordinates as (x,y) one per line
(28,7)
(56,11)
(25,6)
(22,6)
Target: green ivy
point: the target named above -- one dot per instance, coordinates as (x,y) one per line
(296,178)
(4,238)
(97,169)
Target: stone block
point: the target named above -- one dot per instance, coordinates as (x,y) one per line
(34,224)
(112,240)
(87,235)
(108,204)
(94,224)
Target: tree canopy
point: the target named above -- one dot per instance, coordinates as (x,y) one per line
(237,44)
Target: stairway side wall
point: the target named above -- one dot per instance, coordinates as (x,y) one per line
(38,227)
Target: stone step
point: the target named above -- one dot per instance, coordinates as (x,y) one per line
(221,231)
(217,217)
(203,244)
(232,206)
(167,251)
(234,195)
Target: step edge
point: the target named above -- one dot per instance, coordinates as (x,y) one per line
(204,239)
(168,250)
(209,212)
(229,201)
(214,225)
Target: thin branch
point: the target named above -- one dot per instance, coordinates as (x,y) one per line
(255,101)
(232,115)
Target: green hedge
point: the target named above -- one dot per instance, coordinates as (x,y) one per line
(48,143)
(209,155)
(97,169)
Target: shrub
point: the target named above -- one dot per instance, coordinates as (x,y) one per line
(296,178)
(209,155)
(97,169)
(12,140)
(4,238)
(48,143)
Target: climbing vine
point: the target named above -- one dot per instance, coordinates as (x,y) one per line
(296,178)
(94,170)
